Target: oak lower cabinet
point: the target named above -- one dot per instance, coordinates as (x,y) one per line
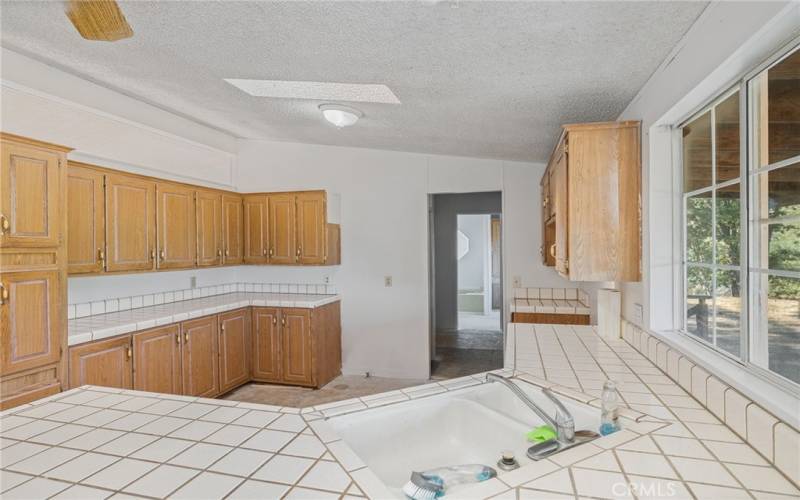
(234,348)
(107,363)
(297,346)
(157,360)
(200,357)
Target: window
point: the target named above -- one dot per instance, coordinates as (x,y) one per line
(742,288)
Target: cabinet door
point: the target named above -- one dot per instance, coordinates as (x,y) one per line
(200,357)
(86,220)
(234,349)
(130,223)
(177,236)
(282,229)
(29,214)
(559,189)
(232,229)
(209,229)
(266,344)
(30,317)
(106,363)
(311,228)
(296,349)
(256,229)
(157,360)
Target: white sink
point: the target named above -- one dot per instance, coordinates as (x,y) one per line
(472,425)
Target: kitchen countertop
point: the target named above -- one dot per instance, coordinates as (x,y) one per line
(95,442)
(102,326)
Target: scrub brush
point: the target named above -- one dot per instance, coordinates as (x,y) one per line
(433,483)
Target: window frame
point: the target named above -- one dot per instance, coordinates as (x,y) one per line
(749,316)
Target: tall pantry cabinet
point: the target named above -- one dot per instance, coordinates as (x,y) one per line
(33,320)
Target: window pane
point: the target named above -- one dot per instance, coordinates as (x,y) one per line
(783,320)
(698,229)
(698,302)
(784,247)
(697,153)
(727,320)
(726,123)
(728,225)
(776,94)
(778,192)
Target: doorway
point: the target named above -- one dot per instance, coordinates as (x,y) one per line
(466,284)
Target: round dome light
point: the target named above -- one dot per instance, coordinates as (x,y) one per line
(340,116)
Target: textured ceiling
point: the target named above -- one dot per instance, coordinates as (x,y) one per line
(484,79)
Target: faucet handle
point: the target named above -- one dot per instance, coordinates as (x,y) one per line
(564,420)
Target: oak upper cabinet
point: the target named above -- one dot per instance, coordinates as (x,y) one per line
(209,228)
(107,363)
(176,224)
(256,229)
(282,228)
(86,220)
(266,344)
(234,348)
(311,228)
(157,360)
(130,223)
(30,213)
(296,348)
(232,229)
(30,317)
(199,357)
(596,190)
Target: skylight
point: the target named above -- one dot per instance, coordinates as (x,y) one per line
(321,91)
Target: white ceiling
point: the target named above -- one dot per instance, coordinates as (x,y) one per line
(483,79)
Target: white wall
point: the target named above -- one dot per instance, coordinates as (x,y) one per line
(727,40)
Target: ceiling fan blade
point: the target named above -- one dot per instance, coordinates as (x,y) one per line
(98,20)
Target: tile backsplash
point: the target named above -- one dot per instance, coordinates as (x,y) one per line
(552,294)
(83,309)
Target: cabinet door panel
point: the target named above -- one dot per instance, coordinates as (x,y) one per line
(256,231)
(157,360)
(29,178)
(234,348)
(283,231)
(311,228)
(297,349)
(107,363)
(177,237)
(560,199)
(209,229)
(130,223)
(200,357)
(232,229)
(86,224)
(31,320)
(266,344)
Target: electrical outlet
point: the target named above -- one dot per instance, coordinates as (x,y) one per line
(387,281)
(638,313)
(326,280)
(193,282)
(517,281)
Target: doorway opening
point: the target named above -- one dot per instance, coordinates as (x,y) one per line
(466,284)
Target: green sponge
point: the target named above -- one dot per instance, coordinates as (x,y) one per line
(541,433)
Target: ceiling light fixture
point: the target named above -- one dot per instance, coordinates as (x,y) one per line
(341,116)
(321,91)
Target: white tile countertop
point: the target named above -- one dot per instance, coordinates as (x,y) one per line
(102,326)
(95,442)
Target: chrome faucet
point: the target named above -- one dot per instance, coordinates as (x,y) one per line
(563,423)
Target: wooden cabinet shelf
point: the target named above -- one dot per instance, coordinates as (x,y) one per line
(591,203)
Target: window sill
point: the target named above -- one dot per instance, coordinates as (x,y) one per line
(781,401)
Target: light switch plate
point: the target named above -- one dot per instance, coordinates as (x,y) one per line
(387,281)
(638,313)
(193,282)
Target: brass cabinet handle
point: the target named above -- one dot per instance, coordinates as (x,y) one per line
(186,336)
(264,252)
(226,252)
(128,352)
(4,224)
(101,256)
(271,252)
(283,321)
(153,254)
(161,255)
(553,250)
(3,294)
(299,251)
(222,328)
(274,320)
(219,253)
(178,339)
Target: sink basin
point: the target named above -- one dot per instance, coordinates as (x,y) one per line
(472,425)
